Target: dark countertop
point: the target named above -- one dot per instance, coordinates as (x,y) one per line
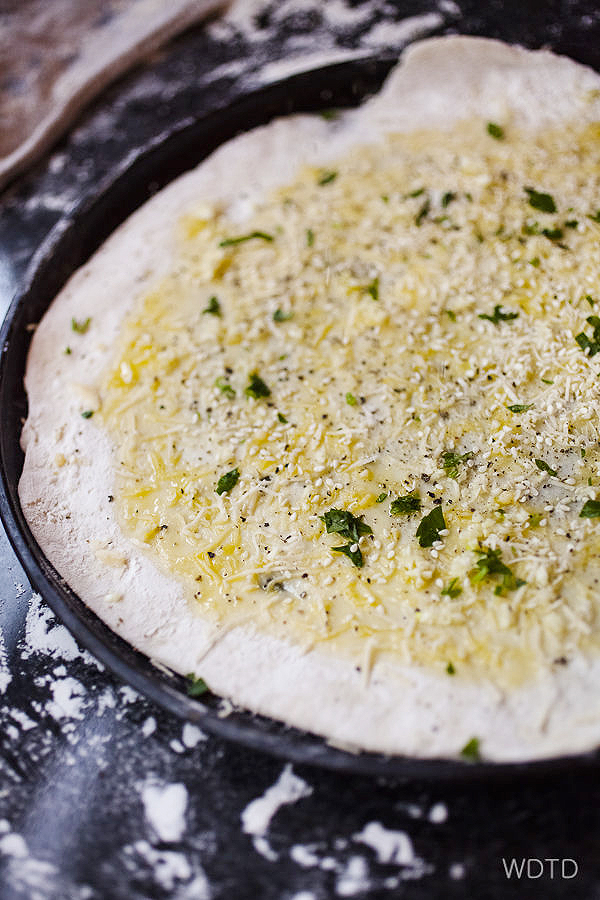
(103,795)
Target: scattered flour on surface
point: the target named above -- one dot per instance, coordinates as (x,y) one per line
(257,816)
(149,726)
(68,699)
(165,807)
(438,813)
(393,848)
(191,735)
(43,634)
(353,878)
(5,676)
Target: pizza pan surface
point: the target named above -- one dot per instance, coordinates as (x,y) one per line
(68,246)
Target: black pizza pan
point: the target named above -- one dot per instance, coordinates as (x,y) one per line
(68,246)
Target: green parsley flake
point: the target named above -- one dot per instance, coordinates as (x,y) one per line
(81,327)
(228,481)
(450,669)
(310,237)
(447,198)
(352,551)
(595,218)
(405,505)
(280,316)
(257,388)
(498,316)
(282,418)
(87,414)
(489,565)
(327,178)
(381,498)
(452,460)
(342,522)
(470,751)
(68,351)
(590,346)
(590,510)
(224,386)
(543,202)
(452,589)
(547,381)
(197,686)
(233,241)
(430,526)
(423,212)
(571,223)
(213,308)
(544,467)
(373,289)
(451,315)
(351,399)
(519,407)
(495,131)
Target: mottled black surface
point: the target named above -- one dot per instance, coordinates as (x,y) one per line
(72,777)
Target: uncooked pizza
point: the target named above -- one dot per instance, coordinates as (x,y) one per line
(319,423)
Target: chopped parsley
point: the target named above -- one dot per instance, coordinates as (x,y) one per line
(68,351)
(423,212)
(352,551)
(327,178)
(595,218)
(571,223)
(257,388)
(87,414)
(342,522)
(351,399)
(280,316)
(381,498)
(310,237)
(452,460)
(451,314)
(547,381)
(490,565)
(373,289)
(450,669)
(447,198)
(213,308)
(544,467)
(591,345)
(282,418)
(197,686)
(430,526)
(535,262)
(495,131)
(417,193)
(405,505)
(519,407)
(233,241)
(553,234)
(81,327)
(470,751)
(227,481)
(498,316)
(224,386)
(538,200)
(590,510)
(452,589)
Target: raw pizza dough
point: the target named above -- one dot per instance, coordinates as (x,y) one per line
(68,473)
(56,57)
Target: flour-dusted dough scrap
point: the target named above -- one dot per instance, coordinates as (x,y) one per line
(401,709)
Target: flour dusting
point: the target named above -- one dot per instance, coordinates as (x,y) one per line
(165,806)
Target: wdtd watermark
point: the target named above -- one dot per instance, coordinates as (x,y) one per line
(533,867)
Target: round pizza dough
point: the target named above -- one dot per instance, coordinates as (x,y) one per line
(399,709)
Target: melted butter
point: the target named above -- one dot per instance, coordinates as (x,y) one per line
(383,365)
